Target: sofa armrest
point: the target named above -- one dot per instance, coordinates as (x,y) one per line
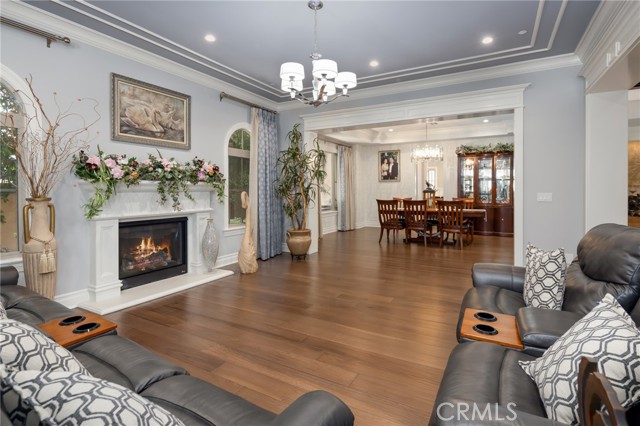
(8,275)
(540,328)
(317,408)
(497,274)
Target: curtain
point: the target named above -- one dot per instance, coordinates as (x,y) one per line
(269,227)
(346,201)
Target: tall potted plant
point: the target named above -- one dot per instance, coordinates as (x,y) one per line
(301,173)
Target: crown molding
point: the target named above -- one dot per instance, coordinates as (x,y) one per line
(611,34)
(30,15)
(499,71)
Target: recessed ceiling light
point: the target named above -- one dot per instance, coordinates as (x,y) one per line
(210,38)
(487,40)
(391,130)
(486,120)
(522,32)
(374,63)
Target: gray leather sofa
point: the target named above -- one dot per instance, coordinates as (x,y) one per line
(193,401)
(486,374)
(608,261)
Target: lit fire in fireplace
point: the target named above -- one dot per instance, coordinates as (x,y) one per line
(147,255)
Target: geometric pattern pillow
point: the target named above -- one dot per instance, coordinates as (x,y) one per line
(609,335)
(3,312)
(23,347)
(60,397)
(544,278)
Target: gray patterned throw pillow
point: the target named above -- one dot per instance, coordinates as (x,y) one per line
(74,399)
(544,278)
(22,347)
(609,335)
(3,311)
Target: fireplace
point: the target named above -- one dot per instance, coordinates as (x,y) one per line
(151,250)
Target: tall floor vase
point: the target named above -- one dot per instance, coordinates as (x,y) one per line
(210,246)
(39,253)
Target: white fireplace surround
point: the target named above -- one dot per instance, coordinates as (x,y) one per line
(140,202)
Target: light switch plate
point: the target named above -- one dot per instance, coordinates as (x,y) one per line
(545,197)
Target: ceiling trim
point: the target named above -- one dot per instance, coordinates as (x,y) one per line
(498,71)
(33,16)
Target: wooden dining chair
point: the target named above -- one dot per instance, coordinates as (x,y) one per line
(451,221)
(467,204)
(389,218)
(401,201)
(417,219)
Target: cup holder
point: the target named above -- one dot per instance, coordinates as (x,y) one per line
(485,329)
(85,328)
(485,316)
(72,320)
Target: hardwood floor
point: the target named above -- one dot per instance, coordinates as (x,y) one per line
(371,323)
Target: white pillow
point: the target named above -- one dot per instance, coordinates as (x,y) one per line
(544,278)
(60,397)
(3,311)
(609,335)
(23,347)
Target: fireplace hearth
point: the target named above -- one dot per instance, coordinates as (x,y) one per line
(152,250)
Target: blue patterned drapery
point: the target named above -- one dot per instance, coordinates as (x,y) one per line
(269,214)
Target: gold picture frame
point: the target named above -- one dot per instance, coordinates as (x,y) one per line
(389,166)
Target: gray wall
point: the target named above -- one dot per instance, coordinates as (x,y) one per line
(80,70)
(554,150)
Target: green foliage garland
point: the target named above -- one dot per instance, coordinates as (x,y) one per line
(106,172)
(484,149)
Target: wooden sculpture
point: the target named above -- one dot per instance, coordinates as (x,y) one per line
(247,253)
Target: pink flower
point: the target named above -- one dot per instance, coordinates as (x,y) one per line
(110,163)
(207,167)
(116,172)
(168,165)
(145,162)
(201,175)
(94,159)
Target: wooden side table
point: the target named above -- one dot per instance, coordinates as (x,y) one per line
(505,325)
(87,326)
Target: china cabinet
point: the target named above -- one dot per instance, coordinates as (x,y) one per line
(488,179)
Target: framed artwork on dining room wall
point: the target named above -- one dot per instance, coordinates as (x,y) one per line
(148,114)
(389,166)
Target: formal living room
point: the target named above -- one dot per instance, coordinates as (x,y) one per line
(203,222)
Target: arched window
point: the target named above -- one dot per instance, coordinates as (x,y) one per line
(12,122)
(238,174)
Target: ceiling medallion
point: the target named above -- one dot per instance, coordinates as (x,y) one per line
(326,78)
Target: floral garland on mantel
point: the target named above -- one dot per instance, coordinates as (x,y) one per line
(484,149)
(106,172)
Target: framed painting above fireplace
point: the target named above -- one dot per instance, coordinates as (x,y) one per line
(149,114)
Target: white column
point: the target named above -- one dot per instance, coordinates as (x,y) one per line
(104,282)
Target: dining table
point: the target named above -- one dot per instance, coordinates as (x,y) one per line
(432,212)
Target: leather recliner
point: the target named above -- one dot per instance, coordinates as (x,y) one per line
(607,261)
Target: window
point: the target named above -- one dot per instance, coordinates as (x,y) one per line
(432,176)
(9,202)
(328,190)
(238,174)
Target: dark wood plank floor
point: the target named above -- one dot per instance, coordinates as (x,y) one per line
(372,323)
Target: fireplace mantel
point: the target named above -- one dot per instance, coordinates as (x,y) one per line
(139,202)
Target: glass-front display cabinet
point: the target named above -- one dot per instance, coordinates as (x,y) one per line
(488,179)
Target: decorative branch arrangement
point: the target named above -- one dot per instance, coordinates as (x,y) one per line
(43,149)
(106,172)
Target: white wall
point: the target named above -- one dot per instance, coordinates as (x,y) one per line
(80,70)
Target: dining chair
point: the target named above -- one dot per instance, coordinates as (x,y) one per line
(417,219)
(389,218)
(451,221)
(401,201)
(468,204)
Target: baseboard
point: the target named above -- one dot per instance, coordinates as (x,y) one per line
(227,259)
(73,299)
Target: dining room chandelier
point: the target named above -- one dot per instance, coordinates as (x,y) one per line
(427,152)
(326,78)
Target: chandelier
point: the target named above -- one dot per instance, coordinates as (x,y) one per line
(326,78)
(427,152)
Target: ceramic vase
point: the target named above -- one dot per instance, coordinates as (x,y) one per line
(210,245)
(298,241)
(39,253)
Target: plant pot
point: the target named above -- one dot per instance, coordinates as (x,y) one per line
(39,253)
(298,241)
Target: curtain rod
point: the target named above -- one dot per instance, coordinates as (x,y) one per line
(224,95)
(50,37)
